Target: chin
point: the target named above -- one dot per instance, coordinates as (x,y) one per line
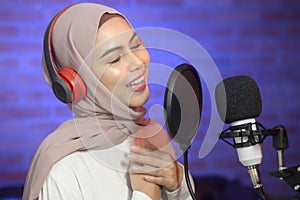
(139,100)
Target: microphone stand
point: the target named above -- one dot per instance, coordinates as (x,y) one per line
(290,175)
(185,148)
(280,143)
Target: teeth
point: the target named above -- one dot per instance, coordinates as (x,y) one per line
(138,81)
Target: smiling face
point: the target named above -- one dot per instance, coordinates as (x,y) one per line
(121,62)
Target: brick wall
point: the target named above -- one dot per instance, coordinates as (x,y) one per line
(256,38)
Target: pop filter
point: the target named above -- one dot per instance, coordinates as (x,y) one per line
(183,104)
(183,107)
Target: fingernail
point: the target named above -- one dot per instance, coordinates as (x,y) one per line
(148,178)
(130,156)
(134,148)
(136,168)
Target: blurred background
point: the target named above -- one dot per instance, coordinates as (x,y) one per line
(257,38)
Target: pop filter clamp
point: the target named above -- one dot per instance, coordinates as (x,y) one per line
(290,175)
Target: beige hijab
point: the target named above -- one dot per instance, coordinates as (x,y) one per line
(101,120)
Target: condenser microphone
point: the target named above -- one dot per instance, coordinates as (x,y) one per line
(239,102)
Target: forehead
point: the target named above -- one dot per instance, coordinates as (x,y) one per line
(115,29)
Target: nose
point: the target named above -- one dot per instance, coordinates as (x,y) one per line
(134,61)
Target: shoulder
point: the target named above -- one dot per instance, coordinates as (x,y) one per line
(62,182)
(80,176)
(66,169)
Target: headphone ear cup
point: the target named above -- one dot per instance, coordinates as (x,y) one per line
(62,91)
(76,87)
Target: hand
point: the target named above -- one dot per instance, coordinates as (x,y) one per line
(156,166)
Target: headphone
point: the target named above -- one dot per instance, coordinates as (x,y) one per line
(67,85)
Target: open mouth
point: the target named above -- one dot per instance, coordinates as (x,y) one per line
(138,84)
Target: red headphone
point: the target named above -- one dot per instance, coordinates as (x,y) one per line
(67,85)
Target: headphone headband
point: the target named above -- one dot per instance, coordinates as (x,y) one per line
(67,86)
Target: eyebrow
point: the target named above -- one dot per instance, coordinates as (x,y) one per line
(118,47)
(132,37)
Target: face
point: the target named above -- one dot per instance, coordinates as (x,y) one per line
(121,62)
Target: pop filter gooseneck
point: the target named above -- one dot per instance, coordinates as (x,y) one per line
(183,108)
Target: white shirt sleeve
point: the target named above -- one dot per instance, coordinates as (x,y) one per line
(137,195)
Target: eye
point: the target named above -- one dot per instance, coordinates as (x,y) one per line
(137,44)
(116,60)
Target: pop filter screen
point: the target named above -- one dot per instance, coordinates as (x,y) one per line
(183,104)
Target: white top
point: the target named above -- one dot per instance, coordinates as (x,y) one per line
(81,176)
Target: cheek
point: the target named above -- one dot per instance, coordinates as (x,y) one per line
(112,77)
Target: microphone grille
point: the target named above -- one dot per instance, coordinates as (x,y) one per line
(238,98)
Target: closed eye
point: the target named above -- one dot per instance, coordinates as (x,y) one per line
(135,41)
(136,46)
(115,60)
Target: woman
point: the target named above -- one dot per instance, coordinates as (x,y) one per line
(109,150)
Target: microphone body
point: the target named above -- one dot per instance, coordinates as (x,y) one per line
(250,156)
(239,103)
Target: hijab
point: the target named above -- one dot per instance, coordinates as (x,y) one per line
(101,120)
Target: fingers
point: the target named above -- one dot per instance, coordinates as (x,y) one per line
(168,183)
(154,171)
(147,160)
(166,177)
(157,166)
(150,152)
(145,156)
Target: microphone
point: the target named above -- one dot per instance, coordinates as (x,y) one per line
(183,106)
(239,102)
